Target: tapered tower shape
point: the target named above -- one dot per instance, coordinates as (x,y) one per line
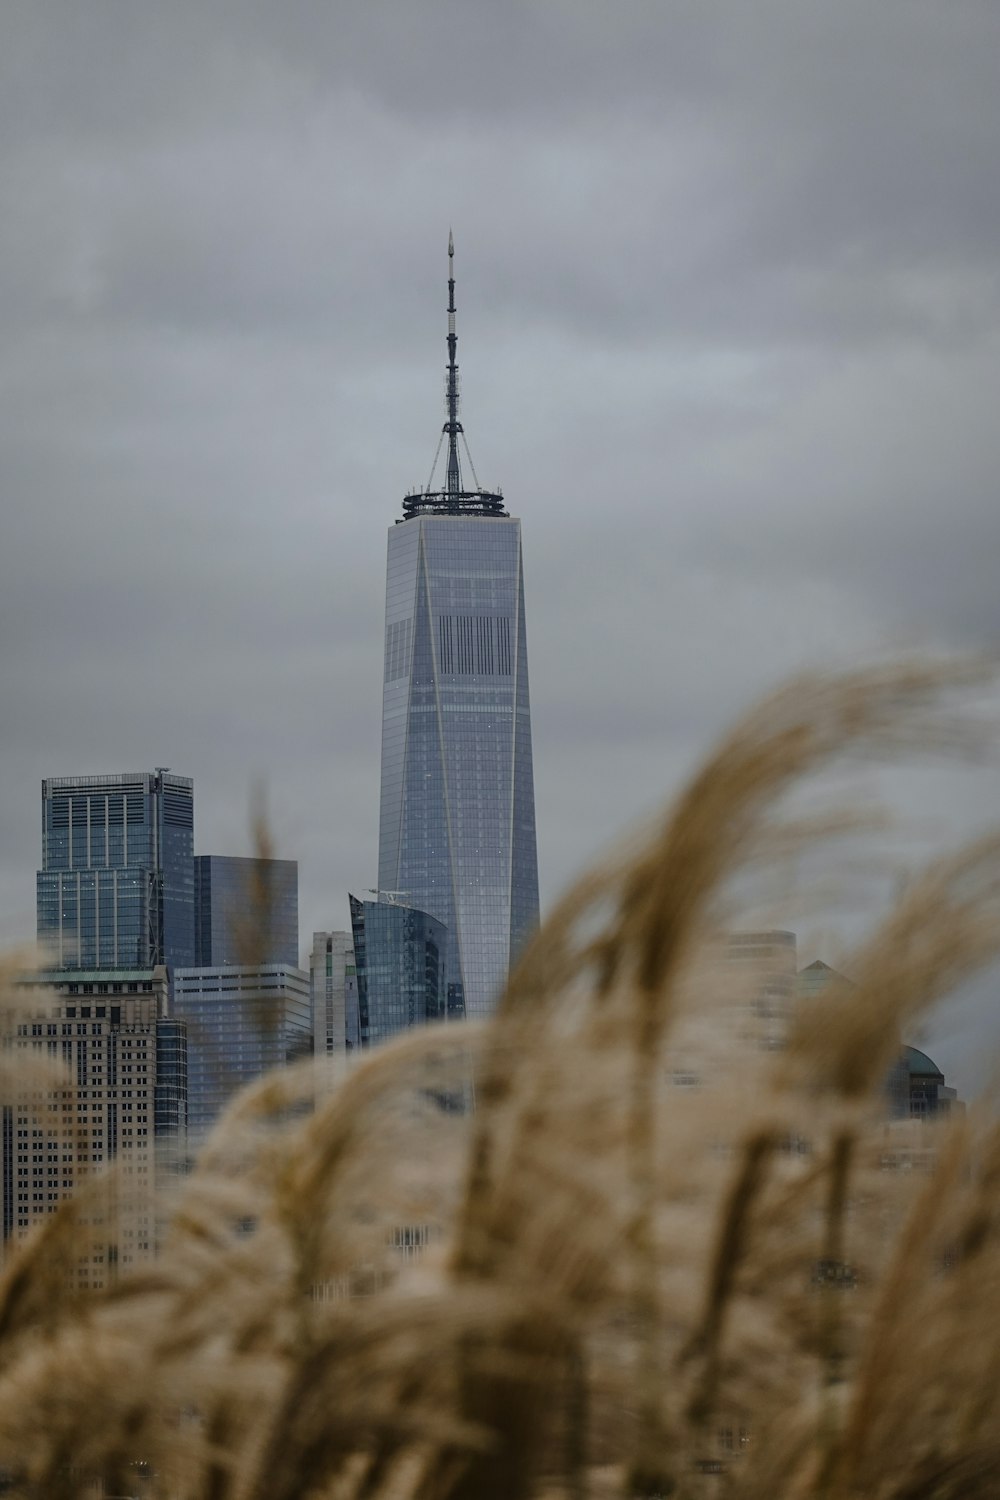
(457,825)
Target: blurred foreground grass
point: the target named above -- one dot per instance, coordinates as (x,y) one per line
(660,1256)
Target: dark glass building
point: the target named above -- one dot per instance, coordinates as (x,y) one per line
(457,818)
(116,887)
(171,1077)
(245,910)
(399,959)
(927,1092)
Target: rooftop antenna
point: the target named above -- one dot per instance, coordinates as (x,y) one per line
(453,499)
(453,426)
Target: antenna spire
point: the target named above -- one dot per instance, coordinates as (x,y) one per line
(452,426)
(453,499)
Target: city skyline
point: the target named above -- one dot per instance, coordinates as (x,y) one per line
(742,345)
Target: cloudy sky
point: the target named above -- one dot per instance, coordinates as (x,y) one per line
(729,321)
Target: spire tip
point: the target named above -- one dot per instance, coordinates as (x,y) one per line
(453,499)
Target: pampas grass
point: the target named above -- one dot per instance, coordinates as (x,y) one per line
(722,1285)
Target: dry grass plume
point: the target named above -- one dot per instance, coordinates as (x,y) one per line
(719,1287)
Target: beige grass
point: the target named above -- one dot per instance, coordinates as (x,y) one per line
(630,1286)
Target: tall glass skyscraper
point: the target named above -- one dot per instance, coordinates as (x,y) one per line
(116,887)
(457,824)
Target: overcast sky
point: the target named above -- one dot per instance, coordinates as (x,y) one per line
(729,321)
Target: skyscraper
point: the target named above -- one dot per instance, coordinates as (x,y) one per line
(116,887)
(457,818)
(245,910)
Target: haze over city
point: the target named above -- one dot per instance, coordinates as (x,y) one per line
(728,320)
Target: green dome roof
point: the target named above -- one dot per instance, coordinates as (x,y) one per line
(920,1064)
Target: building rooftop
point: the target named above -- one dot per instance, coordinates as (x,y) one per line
(920,1065)
(454,498)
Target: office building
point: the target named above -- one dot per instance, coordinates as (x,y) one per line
(245,910)
(171,1080)
(242,1021)
(116,887)
(457,817)
(815,979)
(927,1093)
(122,1102)
(399,956)
(763,984)
(818,982)
(914,1086)
(331,965)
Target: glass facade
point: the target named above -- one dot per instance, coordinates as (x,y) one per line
(457,818)
(399,955)
(116,887)
(242,1021)
(171,1078)
(245,910)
